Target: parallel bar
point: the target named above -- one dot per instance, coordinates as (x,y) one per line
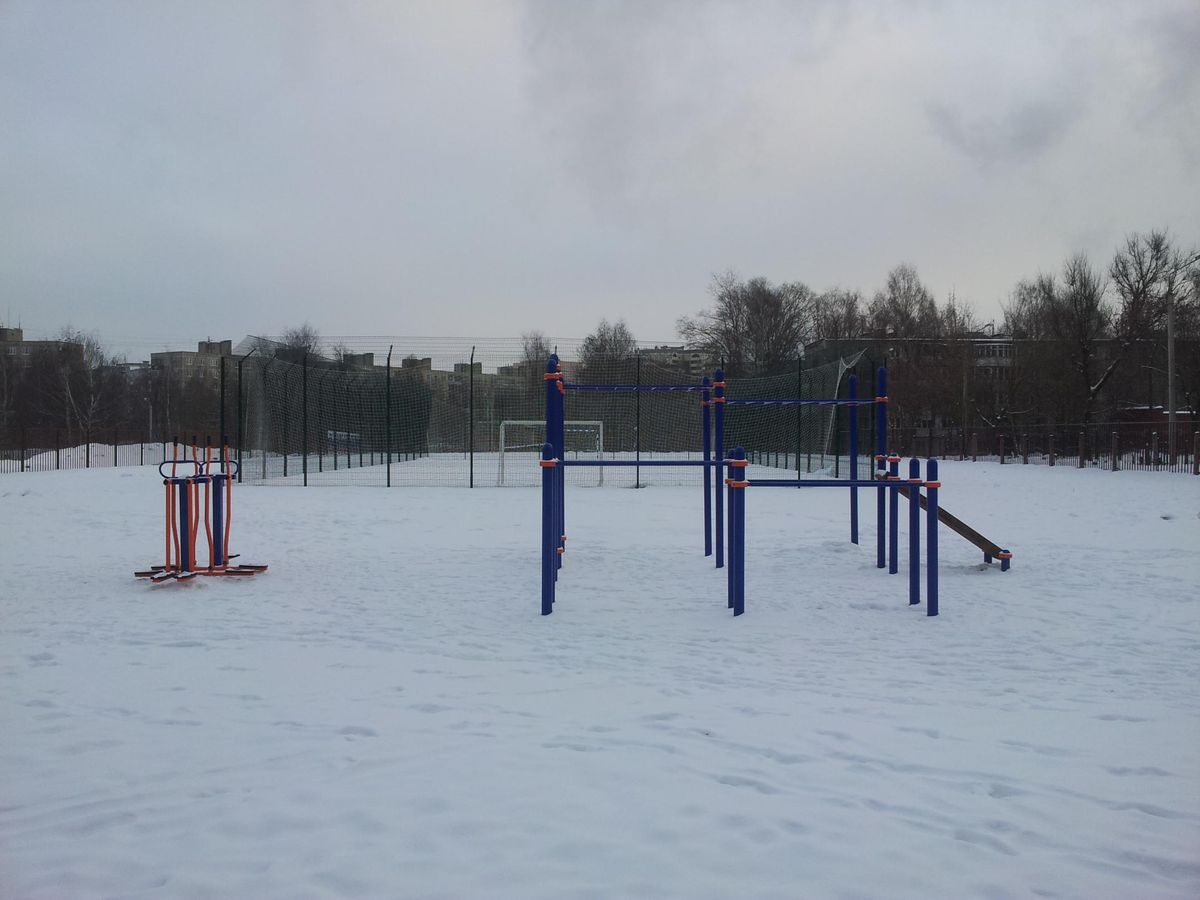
(635,388)
(812,482)
(633,462)
(802,402)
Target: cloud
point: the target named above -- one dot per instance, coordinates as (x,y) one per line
(1020,134)
(644,100)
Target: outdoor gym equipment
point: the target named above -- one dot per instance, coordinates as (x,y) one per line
(886,481)
(183,504)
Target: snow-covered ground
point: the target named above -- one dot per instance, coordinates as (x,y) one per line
(384,713)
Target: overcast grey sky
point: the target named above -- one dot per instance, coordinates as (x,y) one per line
(175,170)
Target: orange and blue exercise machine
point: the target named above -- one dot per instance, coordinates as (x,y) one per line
(203,489)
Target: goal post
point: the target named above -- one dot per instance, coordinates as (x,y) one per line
(527,436)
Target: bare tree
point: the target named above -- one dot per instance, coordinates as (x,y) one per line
(838,315)
(535,350)
(755,326)
(904,307)
(1077,315)
(302,337)
(1147,272)
(1022,312)
(611,343)
(71,385)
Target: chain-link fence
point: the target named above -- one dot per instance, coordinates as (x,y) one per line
(395,411)
(1115,446)
(429,416)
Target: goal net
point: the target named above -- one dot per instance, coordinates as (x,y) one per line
(520,447)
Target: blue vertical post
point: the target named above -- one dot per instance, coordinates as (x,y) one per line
(852,387)
(737,531)
(706,429)
(560,420)
(914,532)
(218,510)
(894,515)
(552,377)
(880,462)
(719,402)
(548,540)
(185,526)
(931,536)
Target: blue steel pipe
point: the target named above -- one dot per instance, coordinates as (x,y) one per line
(548,539)
(185,525)
(635,388)
(706,431)
(894,514)
(560,420)
(851,403)
(852,388)
(812,482)
(719,451)
(931,537)
(553,437)
(605,463)
(737,532)
(880,464)
(914,532)
(218,509)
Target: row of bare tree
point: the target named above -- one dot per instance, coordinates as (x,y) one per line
(1086,341)
(70,391)
(1074,345)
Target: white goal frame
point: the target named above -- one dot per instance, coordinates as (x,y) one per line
(541,423)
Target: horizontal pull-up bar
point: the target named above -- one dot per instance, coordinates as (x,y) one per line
(605,463)
(638,388)
(802,402)
(821,482)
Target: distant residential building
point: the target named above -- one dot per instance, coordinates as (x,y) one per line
(526,367)
(132,370)
(696,363)
(204,362)
(13,346)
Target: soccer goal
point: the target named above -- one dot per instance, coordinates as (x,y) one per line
(521,442)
